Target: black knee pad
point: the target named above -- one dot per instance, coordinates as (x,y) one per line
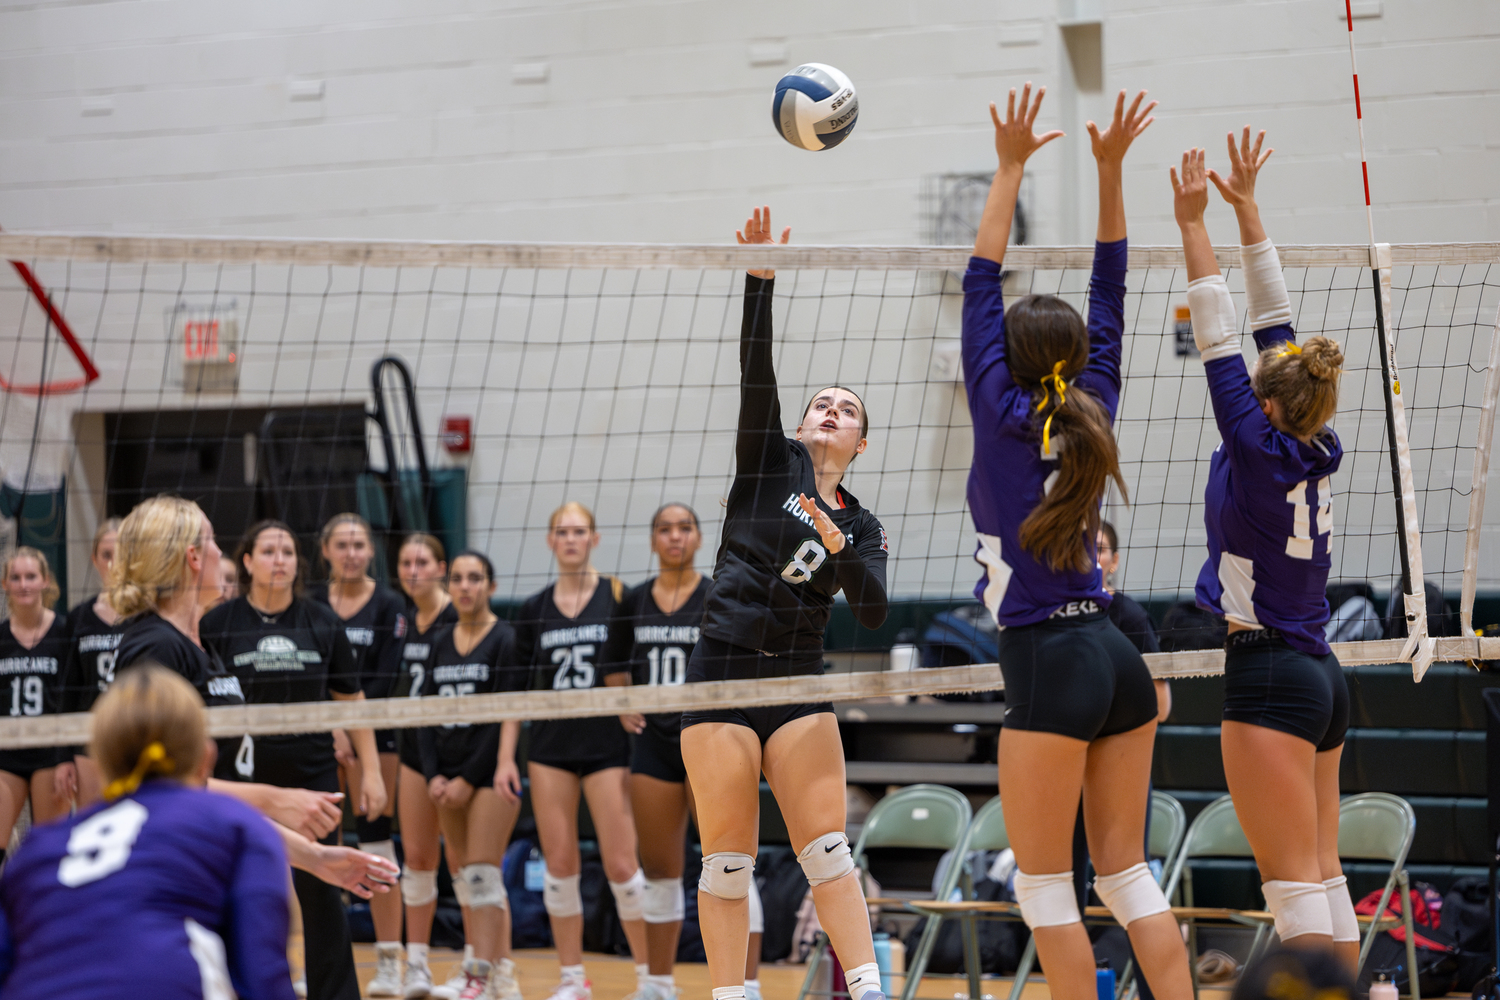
(369,831)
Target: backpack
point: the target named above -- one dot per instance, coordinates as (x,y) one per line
(1469,920)
(1000,942)
(1437,954)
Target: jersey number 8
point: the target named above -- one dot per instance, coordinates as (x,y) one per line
(805,562)
(101,844)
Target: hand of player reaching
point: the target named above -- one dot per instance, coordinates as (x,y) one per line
(312,814)
(1245,162)
(832,535)
(758,230)
(1015,139)
(1111,145)
(1190,192)
(360,873)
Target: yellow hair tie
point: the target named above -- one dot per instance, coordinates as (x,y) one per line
(1061,385)
(153,758)
(1288,348)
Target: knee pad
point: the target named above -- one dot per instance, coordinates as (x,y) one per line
(561,895)
(1299,907)
(1341,909)
(373,830)
(381,849)
(418,888)
(664,901)
(1047,900)
(727,875)
(630,896)
(484,885)
(460,889)
(757,912)
(826,859)
(1131,894)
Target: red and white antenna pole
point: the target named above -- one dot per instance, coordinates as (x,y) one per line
(1359,118)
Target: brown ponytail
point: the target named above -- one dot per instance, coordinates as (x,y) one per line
(1047,346)
(1304,380)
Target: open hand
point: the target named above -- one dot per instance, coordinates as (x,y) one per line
(833,537)
(1245,162)
(758,230)
(1015,139)
(360,873)
(1190,192)
(1111,145)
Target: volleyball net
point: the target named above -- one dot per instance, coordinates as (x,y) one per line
(468,389)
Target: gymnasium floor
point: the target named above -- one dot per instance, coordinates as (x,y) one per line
(614,977)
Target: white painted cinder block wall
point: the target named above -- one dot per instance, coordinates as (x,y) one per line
(384,118)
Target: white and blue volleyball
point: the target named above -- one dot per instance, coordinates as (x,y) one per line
(815,107)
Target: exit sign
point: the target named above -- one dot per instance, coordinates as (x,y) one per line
(208,345)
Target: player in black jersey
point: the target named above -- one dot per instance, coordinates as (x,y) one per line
(562,636)
(286,649)
(34,653)
(374,619)
(166,570)
(422,568)
(471,773)
(652,638)
(94,629)
(782,559)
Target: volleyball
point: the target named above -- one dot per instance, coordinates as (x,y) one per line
(815,107)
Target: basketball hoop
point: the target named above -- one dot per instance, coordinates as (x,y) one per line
(90,373)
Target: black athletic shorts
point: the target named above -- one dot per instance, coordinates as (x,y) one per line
(408,751)
(1075,676)
(584,766)
(656,755)
(1269,682)
(385,740)
(24,763)
(716,660)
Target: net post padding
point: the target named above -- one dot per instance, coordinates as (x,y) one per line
(1481,479)
(406,713)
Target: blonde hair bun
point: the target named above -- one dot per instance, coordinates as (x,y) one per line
(1322,358)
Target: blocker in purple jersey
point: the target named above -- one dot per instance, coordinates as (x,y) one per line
(1010,473)
(170,893)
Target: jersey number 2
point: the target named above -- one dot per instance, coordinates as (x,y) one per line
(805,562)
(101,844)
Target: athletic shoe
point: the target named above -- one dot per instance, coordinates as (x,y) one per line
(299,986)
(418,981)
(573,991)
(503,985)
(752,992)
(650,991)
(452,988)
(476,981)
(387,981)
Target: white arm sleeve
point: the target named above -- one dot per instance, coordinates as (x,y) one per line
(1266,300)
(1215,328)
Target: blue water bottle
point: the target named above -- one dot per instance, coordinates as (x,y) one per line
(1104,980)
(883,960)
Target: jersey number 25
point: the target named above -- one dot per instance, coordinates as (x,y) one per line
(573,667)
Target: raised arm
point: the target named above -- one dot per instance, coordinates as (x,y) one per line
(1014,143)
(1267,305)
(1109,148)
(760,438)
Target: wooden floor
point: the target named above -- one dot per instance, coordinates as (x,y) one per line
(614,977)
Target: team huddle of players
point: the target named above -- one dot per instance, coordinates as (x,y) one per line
(1082,710)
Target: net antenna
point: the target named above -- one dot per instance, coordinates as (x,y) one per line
(1420,648)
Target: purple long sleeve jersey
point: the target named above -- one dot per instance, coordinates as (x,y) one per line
(1009,475)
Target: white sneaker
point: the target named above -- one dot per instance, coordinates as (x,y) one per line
(573,991)
(387,981)
(418,982)
(650,991)
(299,986)
(752,992)
(453,988)
(503,985)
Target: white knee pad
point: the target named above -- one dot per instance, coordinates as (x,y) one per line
(484,885)
(461,889)
(1341,909)
(727,875)
(826,858)
(418,888)
(757,912)
(1047,900)
(1299,907)
(630,896)
(561,896)
(1131,894)
(664,901)
(381,849)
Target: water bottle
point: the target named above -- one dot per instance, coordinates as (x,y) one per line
(536,870)
(905,657)
(1382,988)
(883,960)
(1104,980)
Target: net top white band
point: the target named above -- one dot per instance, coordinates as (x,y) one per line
(403,253)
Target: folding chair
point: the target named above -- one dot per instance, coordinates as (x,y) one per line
(1379,826)
(923,816)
